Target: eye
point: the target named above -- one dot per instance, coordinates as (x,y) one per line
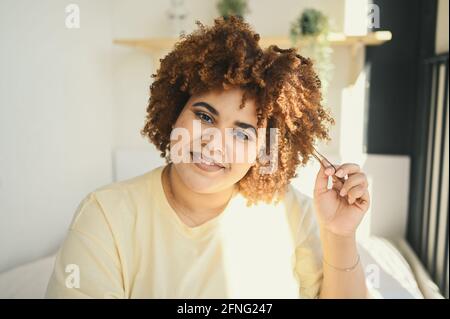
(204,117)
(242,135)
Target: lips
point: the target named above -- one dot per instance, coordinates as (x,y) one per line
(206,163)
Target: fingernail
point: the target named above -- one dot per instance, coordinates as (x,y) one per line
(329,171)
(340,173)
(342,193)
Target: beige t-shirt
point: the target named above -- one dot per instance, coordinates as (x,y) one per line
(125,241)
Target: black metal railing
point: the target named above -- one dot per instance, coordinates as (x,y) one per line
(429,227)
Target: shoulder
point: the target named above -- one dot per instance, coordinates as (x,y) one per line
(295,197)
(116,202)
(300,211)
(298,204)
(130,188)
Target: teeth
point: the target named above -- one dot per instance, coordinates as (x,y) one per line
(206,162)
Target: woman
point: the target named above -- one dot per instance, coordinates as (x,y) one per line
(221,220)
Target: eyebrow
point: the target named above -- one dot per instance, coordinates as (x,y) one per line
(207,106)
(216,113)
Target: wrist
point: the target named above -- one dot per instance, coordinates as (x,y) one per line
(335,237)
(339,250)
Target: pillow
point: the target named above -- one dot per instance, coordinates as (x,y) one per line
(388,274)
(28,281)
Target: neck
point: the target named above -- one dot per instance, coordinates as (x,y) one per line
(194,203)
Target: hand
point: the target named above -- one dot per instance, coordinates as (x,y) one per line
(341,208)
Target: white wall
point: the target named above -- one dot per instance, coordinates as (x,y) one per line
(55,120)
(442,27)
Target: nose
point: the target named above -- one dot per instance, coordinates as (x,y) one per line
(214,146)
(213,149)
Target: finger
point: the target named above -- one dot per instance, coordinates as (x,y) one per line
(337,184)
(355,193)
(347,169)
(364,201)
(321,184)
(352,181)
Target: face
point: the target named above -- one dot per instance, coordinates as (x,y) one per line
(216,139)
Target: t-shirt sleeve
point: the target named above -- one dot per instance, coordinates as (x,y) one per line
(308,252)
(87,264)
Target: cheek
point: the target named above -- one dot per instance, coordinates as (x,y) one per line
(243,153)
(184,121)
(187,121)
(238,171)
(183,133)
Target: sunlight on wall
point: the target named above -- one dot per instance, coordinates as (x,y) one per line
(352,120)
(355,22)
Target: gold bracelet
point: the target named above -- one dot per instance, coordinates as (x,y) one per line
(344,269)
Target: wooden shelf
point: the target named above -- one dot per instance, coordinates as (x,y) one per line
(155,45)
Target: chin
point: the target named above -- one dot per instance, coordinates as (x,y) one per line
(199,181)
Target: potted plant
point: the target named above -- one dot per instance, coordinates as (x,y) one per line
(233,7)
(312,28)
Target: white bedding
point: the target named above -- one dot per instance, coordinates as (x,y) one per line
(388,274)
(28,281)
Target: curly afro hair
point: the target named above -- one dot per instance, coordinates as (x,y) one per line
(283,84)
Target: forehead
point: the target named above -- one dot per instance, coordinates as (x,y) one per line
(227,103)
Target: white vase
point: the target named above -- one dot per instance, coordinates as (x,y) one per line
(177,15)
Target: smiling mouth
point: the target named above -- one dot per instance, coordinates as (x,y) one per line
(206,164)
